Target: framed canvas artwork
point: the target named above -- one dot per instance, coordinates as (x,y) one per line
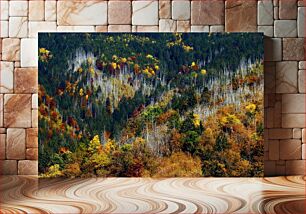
(151,104)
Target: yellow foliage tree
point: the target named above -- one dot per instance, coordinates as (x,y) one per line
(179,164)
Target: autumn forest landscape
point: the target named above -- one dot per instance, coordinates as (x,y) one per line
(151,105)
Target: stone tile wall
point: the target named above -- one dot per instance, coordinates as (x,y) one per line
(282,21)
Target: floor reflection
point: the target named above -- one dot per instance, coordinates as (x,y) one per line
(139,195)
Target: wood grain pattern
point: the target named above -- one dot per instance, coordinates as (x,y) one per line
(28,194)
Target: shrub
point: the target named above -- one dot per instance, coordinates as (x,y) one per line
(214,168)
(53,171)
(72,170)
(179,164)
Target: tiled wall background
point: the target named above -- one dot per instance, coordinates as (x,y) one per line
(281,20)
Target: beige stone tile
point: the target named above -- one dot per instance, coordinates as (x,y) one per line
(2,146)
(278,114)
(134,28)
(266,138)
(75,29)
(280,163)
(180,10)
(303,151)
(216,28)
(91,12)
(280,133)
(2,130)
(29,53)
(278,97)
(35,118)
(4,12)
(183,26)
(18,8)
(273,150)
(15,144)
(301,22)
(119,12)
(270,100)
(26,80)
(302,81)
(266,156)
(302,65)
(265,12)
(269,119)
(164,9)
(8,167)
(27,167)
(18,27)
(145,13)
(36,10)
(269,77)
(35,27)
(303,135)
(295,167)
(293,103)
(17,64)
(266,141)
(290,149)
(32,154)
(6,77)
(297,133)
(266,102)
(266,30)
(301,3)
(269,168)
(273,49)
(239,16)
(280,170)
(287,9)
(11,49)
(207,12)
(200,28)
(286,77)
(101,28)
(275,13)
(293,120)
(17,110)
(146,28)
(50,10)
(4,29)
(293,49)
(34,101)
(119,28)
(167,25)
(1,110)
(32,138)
(285,28)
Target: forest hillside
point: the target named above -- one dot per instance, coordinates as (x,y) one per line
(150,104)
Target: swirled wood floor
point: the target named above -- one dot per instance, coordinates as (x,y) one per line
(25,194)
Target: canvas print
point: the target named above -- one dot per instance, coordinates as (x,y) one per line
(150,104)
